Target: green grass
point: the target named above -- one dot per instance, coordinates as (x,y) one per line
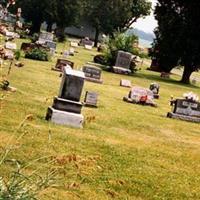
(126,152)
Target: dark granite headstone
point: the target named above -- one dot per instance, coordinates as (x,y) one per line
(72,85)
(91,99)
(92,74)
(186,110)
(66,109)
(187,107)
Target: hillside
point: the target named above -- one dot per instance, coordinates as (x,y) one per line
(124,151)
(141,34)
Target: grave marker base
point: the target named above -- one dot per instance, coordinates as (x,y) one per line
(65,118)
(183,117)
(94,80)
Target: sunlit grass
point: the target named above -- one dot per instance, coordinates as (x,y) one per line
(126,152)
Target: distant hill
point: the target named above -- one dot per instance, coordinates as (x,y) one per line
(141,34)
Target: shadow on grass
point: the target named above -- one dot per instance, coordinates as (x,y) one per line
(155,77)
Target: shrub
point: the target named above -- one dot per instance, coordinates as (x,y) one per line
(17,54)
(38,54)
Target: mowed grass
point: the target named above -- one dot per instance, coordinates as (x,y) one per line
(124,151)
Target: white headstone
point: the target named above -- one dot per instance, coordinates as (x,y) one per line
(11,45)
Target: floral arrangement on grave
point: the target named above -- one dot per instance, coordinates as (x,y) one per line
(191,96)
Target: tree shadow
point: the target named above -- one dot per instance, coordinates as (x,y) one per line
(155,77)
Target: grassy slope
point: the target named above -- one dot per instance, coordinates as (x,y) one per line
(124,151)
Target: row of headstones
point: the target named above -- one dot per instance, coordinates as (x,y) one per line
(72,84)
(66,108)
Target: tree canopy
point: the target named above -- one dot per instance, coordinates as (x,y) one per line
(105,16)
(114,15)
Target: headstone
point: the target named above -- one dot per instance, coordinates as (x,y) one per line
(154,87)
(139,95)
(125,83)
(66,109)
(92,74)
(185,109)
(9,54)
(51,45)
(11,46)
(45,37)
(91,99)
(73,44)
(61,63)
(89,47)
(123,62)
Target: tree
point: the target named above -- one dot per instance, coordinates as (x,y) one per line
(33,11)
(67,14)
(177,40)
(114,15)
(61,12)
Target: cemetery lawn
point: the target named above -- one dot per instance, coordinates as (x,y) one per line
(124,151)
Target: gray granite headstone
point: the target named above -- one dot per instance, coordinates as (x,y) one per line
(92,74)
(51,45)
(91,99)
(45,36)
(123,59)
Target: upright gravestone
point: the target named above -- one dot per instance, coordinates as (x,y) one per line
(92,74)
(185,109)
(91,99)
(123,63)
(61,63)
(51,45)
(66,109)
(45,37)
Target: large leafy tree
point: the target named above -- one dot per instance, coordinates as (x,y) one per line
(114,15)
(177,36)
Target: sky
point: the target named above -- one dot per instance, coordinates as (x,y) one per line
(149,23)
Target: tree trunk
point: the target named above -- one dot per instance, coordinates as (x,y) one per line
(49,27)
(186,75)
(96,37)
(60,34)
(35,28)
